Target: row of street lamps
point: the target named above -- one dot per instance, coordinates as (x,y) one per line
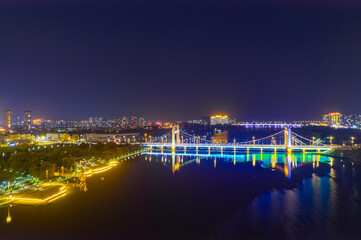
(352,140)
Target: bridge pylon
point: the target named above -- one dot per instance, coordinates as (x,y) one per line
(175,136)
(288,139)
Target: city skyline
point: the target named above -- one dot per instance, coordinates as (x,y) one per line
(181,119)
(225,57)
(16,115)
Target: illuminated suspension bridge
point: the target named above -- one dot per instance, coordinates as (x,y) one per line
(285,140)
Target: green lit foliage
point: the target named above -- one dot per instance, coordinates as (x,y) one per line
(19,160)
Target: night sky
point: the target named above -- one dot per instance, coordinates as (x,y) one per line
(180,60)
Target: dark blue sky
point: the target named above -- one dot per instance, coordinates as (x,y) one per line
(254,61)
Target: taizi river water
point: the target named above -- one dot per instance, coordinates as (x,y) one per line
(159,196)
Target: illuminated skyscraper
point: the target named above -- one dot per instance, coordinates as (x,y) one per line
(141,121)
(220,119)
(27,119)
(334,118)
(124,122)
(8,119)
(134,122)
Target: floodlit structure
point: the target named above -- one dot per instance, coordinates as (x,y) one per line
(27,119)
(8,119)
(220,119)
(134,122)
(141,121)
(285,140)
(124,123)
(332,118)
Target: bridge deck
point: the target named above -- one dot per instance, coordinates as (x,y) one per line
(237,146)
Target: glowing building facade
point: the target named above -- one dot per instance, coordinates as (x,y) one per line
(133,122)
(141,121)
(220,120)
(27,119)
(342,120)
(8,119)
(124,123)
(334,118)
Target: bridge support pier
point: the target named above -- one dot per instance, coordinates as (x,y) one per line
(288,139)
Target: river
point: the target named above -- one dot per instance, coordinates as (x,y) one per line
(158,196)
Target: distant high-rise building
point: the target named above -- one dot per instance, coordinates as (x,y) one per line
(141,121)
(124,123)
(351,120)
(334,118)
(134,122)
(220,119)
(27,119)
(8,119)
(90,120)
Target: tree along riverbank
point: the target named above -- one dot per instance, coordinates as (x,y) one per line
(353,155)
(43,161)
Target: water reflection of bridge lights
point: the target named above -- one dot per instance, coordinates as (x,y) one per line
(284,162)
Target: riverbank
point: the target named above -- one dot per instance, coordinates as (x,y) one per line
(352,156)
(24,164)
(46,191)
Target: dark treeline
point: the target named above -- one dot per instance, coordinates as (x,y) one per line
(27,159)
(353,154)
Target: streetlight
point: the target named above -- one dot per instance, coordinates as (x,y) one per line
(331,140)
(313,140)
(254,142)
(352,140)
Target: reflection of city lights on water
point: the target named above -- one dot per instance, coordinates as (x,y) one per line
(276,161)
